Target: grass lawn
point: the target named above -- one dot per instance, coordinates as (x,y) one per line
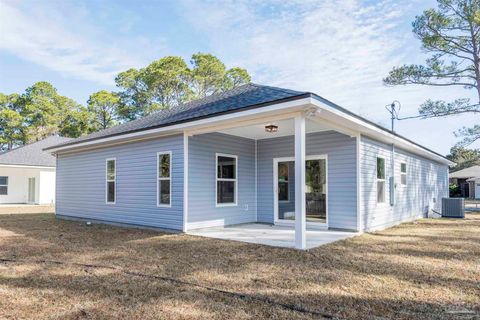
(60,269)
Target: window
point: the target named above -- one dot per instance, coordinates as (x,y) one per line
(111,176)
(403,174)
(3,186)
(283,181)
(380,180)
(164,174)
(226,180)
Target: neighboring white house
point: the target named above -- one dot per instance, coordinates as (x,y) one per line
(468,180)
(27,174)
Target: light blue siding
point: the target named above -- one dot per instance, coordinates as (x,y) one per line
(342,176)
(427,183)
(202,150)
(81,184)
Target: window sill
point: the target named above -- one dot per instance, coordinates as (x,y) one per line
(219,205)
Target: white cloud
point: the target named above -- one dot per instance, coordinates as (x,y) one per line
(61,38)
(338,49)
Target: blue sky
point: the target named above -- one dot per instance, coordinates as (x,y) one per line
(340,50)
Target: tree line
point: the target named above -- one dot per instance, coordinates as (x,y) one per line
(41,111)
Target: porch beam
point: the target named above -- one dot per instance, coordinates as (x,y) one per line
(242,123)
(300,210)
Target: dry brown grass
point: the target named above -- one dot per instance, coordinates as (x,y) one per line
(429,269)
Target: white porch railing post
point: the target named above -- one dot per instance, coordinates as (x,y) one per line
(300,210)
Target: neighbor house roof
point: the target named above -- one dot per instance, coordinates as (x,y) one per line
(248,96)
(470,172)
(32,154)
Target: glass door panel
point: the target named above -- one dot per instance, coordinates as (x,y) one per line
(316,190)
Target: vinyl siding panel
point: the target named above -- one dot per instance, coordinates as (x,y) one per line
(81,184)
(342,189)
(202,179)
(427,183)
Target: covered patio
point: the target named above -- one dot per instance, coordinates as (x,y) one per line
(278,179)
(272,235)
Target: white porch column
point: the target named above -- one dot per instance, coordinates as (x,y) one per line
(300,215)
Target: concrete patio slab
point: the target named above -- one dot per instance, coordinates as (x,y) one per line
(271,235)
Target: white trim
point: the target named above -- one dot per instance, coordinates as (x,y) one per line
(25,166)
(379,134)
(107,181)
(359,186)
(310,224)
(169,178)
(178,128)
(384,181)
(256,181)
(185,182)
(356,125)
(34,190)
(233,204)
(403,174)
(300,206)
(5,185)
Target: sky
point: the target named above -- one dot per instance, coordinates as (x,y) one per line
(340,50)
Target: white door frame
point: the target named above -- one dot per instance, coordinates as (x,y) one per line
(34,190)
(310,224)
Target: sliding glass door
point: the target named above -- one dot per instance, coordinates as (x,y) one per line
(315,189)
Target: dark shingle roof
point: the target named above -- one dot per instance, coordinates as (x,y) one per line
(242,97)
(33,154)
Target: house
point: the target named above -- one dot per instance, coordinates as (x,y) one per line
(27,173)
(252,154)
(468,180)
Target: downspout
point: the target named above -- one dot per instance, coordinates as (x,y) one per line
(392,178)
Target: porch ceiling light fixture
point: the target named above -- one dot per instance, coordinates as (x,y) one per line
(271,128)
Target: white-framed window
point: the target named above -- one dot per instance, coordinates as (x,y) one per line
(381,185)
(283,185)
(226,179)
(164,179)
(110,180)
(3,185)
(403,174)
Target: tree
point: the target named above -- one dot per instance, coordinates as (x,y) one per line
(10,122)
(103,106)
(451,35)
(235,77)
(208,74)
(464,157)
(168,82)
(39,112)
(77,122)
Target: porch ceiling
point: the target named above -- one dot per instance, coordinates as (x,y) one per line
(286,127)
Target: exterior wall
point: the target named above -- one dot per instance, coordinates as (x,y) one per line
(427,183)
(81,184)
(18,184)
(202,210)
(342,175)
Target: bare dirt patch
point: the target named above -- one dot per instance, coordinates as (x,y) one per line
(429,269)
